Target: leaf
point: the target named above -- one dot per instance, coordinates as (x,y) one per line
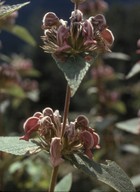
(74,70)
(104,123)
(14,90)
(131,126)
(17,147)
(120,56)
(6,10)
(118,106)
(22,33)
(135,69)
(134,149)
(136,180)
(64,184)
(109,173)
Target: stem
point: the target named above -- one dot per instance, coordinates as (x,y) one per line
(53,179)
(66,109)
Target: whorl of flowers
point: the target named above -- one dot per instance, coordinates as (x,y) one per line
(86,37)
(47,126)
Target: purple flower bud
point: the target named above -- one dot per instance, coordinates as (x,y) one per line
(62,35)
(88,30)
(31,125)
(82,122)
(55,152)
(107,36)
(47,111)
(49,20)
(76,16)
(98,22)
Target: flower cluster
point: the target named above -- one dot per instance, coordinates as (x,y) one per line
(78,136)
(92,7)
(85,37)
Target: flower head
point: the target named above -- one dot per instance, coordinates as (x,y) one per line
(47,126)
(83,36)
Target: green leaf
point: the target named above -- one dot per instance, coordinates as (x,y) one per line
(118,106)
(64,184)
(22,33)
(109,173)
(131,126)
(6,10)
(74,70)
(17,147)
(135,69)
(14,90)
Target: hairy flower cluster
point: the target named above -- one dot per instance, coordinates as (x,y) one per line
(48,127)
(85,37)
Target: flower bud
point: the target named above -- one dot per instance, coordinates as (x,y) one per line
(31,125)
(82,121)
(49,20)
(55,151)
(47,111)
(76,16)
(107,36)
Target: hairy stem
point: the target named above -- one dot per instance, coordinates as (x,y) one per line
(66,109)
(53,179)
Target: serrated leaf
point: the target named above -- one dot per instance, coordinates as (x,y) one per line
(64,184)
(131,126)
(6,10)
(22,33)
(17,147)
(109,173)
(74,70)
(135,69)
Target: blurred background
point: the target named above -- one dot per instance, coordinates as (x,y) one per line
(109,94)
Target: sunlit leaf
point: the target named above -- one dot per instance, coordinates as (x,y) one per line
(134,149)
(117,55)
(6,10)
(22,33)
(135,70)
(136,180)
(74,69)
(64,184)
(109,173)
(131,126)
(17,147)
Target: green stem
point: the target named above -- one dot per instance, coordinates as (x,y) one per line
(53,178)
(66,109)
